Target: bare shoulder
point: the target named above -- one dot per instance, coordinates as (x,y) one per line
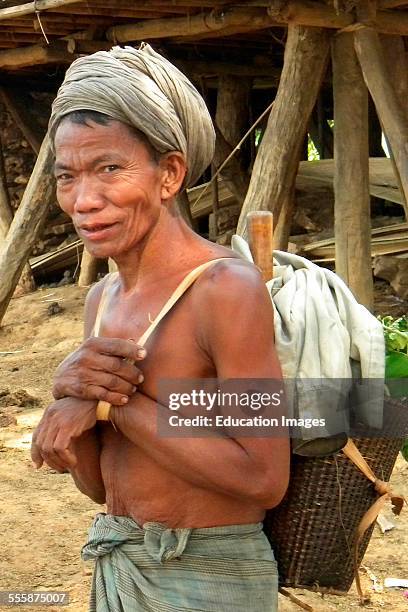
(229,279)
(229,287)
(92,301)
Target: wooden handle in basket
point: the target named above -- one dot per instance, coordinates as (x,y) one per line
(260,235)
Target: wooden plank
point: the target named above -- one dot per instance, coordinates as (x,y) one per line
(276,163)
(351,172)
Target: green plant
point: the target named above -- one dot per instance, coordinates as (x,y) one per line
(396,346)
(396,356)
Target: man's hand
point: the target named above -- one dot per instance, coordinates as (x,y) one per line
(99,370)
(62,422)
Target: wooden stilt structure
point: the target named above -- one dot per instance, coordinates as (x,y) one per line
(352,205)
(306,54)
(27,224)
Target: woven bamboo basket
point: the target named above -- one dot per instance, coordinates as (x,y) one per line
(313,530)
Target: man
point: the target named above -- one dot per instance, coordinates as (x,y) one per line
(183,523)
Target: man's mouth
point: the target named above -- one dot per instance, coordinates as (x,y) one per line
(96,231)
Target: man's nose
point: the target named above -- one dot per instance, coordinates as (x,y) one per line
(88,197)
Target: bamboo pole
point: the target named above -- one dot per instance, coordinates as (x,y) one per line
(27,224)
(245,19)
(392,116)
(352,227)
(276,163)
(32,7)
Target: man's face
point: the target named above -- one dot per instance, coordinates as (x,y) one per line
(108,184)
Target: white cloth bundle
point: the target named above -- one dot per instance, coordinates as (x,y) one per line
(324,338)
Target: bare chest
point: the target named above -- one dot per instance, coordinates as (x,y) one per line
(174,349)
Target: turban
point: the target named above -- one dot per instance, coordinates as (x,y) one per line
(141,88)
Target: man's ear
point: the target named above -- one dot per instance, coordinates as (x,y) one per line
(173,166)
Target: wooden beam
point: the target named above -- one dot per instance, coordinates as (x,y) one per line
(352,227)
(392,116)
(31,7)
(27,224)
(276,163)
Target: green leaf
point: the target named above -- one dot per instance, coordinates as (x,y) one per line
(396,365)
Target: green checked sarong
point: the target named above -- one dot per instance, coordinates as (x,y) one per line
(156,569)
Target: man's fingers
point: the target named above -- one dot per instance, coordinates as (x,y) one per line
(127,349)
(101,393)
(125,370)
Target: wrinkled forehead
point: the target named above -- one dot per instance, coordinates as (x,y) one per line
(85,127)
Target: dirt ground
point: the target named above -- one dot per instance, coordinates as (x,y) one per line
(44,519)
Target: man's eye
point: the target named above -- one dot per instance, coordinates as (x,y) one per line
(63,176)
(110,168)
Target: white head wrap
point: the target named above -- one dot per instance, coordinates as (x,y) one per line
(141,88)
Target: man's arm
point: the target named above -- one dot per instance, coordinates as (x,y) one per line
(87,471)
(235,328)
